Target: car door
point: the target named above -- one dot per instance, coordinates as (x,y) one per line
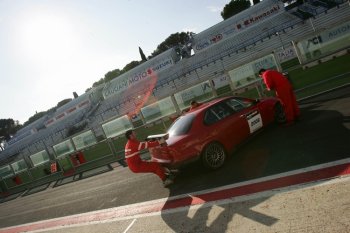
(224,125)
(249,112)
(250,119)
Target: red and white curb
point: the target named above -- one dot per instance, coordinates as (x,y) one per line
(275,182)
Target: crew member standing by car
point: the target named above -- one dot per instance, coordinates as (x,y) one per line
(274,80)
(137,165)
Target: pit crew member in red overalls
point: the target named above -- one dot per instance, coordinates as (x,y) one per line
(137,165)
(276,81)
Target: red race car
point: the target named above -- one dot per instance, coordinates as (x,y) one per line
(212,130)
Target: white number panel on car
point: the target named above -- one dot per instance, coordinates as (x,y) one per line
(254,121)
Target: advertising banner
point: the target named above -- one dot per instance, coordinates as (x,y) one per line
(324,43)
(139,73)
(247,74)
(236,23)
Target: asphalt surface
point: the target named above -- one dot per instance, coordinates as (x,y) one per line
(321,136)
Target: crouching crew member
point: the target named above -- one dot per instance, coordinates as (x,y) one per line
(137,165)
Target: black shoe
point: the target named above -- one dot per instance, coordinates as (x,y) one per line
(171,171)
(167,182)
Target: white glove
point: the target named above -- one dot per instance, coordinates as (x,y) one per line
(161,141)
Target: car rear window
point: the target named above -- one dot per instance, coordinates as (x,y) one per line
(182,125)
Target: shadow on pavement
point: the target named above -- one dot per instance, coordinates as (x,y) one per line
(214,218)
(321,136)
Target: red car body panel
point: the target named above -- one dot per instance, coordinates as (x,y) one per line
(229,131)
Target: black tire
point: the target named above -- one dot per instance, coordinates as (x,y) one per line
(280,114)
(213,156)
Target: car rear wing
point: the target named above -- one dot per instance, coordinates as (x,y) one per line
(157,137)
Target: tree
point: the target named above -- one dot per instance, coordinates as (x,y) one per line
(173,40)
(8,127)
(98,82)
(143,57)
(130,66)
(255,2)
(63,102)
(112,74)
(35,117)
(234,7)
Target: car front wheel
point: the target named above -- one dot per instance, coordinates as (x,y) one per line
(213,156)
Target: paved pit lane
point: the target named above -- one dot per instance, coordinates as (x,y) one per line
(321,137)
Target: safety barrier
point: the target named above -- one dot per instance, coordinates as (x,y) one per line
(97,155)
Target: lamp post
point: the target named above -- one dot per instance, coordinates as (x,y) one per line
(279,36)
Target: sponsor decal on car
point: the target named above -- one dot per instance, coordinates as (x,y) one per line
(254,121)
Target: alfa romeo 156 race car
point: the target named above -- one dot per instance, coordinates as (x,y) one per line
(213,130)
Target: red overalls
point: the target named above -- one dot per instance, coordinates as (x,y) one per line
(274,80)
(134,161)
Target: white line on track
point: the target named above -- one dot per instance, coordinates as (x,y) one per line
(130,225)
(229,200)
(263,194)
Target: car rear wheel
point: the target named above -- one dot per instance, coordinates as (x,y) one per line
(280,115)
(214,156)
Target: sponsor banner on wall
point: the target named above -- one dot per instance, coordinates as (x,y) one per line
(191,93)
(221,81)
(74,109)
(325,43)
(237,23)
(139,73)
(126,80)
(285,54)
(247,74)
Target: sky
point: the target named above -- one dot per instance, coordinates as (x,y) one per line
(52,48)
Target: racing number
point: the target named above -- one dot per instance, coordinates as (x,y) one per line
(254,121)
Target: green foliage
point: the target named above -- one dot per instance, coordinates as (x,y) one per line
(63,102)
(234,7)
(35,117)
(131,65)
(143,56)
(303,77)
(8,127)
(293,63)
(172,41)
(112,74)
(98,82)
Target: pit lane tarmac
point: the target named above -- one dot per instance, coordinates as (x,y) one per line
(321,138)
(179,212)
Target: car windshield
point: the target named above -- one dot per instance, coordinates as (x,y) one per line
(182,125)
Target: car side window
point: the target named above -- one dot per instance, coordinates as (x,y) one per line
(235,105)
(216,113)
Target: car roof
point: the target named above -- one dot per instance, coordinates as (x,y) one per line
(206,105)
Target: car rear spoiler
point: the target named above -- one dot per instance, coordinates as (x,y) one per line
(157,137)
